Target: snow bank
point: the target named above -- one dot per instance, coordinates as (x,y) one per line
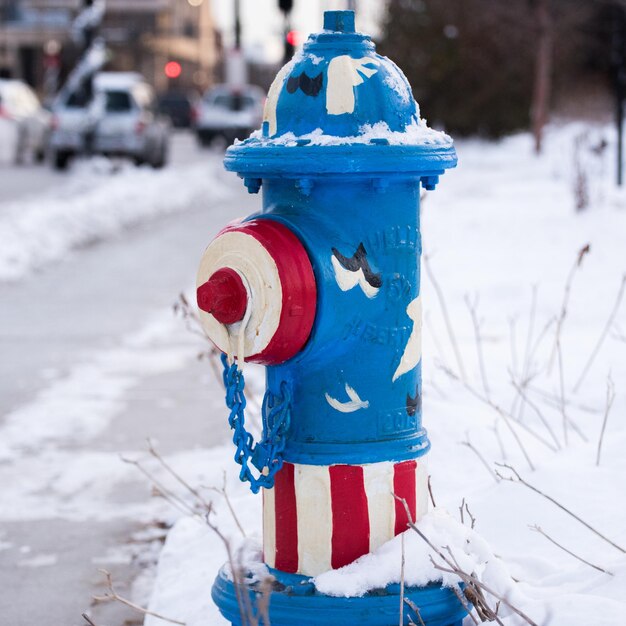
(501,223)
(95,204)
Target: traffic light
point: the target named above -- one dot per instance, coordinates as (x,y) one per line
(288,48)
(173,69)
(293,38)
(285,5)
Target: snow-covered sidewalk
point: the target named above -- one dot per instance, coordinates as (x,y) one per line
(97,201)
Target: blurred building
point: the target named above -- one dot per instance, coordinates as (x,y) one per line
(142,35)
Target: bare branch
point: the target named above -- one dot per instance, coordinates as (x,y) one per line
(430,492)
(610,397)
(470,580)
(505,416)
(555,402)
(539,530)
(234,571)
(172,497)
(416,610)
(566,293)
(479,342)
(446,317)
(463,600)
(402,581)
(477,452)
(88,619)
(529,339)
(562,389)
(176,476)
(472,518)
(524,396)
(224,493)
(605,332)
(113,595)
(516,478)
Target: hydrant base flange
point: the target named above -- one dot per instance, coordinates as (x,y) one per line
(294,600)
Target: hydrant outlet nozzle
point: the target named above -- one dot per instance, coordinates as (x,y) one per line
(224,296)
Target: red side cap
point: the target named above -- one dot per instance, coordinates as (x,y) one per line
(298,285)
(224,296)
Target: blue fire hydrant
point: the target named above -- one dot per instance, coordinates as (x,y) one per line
(323,287)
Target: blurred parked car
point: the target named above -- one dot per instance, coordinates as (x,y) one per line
(121,120)
(229,113)
(178,106)
(24,124)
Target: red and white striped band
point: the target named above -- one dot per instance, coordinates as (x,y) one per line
(321,517)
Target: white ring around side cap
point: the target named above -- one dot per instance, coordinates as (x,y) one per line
(247,256)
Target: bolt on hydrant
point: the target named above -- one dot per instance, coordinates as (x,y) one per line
(323,288)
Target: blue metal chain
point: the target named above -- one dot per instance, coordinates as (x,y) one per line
(265,455)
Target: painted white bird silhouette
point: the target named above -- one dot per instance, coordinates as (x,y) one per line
(354,404)
(269,112)
(413,350)
(344,74)
(347,279)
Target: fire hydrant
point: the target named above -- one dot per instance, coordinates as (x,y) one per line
(323,287)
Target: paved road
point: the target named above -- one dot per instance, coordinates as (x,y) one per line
(54,531)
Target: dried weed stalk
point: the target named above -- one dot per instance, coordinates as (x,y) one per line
(539,530)
(474,590)
(610,397)
(603,334)
(514,477)
(446,318)
(112,595)
(481,458)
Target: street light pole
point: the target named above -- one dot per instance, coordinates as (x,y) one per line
(237,24)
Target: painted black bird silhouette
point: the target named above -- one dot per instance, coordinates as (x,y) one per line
(358,261)
(309,86)
(413,404)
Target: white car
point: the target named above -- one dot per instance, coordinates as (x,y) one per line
(120,120)
(228,113)
(24,124)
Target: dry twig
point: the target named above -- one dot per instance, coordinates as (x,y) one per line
(415,610)
(464,508)
(516,478)
(402,581)
(529,337)
(505,416)
(446,317)
(566,293)
(113,595)
(430,492)
(522,394)
(474,586)
(472,306)
(477,452)
(539,530)
(224,493)
(605,332)
(610,397)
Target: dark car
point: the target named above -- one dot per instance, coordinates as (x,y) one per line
(178,106)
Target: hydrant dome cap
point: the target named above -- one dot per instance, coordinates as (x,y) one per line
(337,92)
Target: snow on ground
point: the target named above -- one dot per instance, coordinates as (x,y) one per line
(99,199)
(502,236)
